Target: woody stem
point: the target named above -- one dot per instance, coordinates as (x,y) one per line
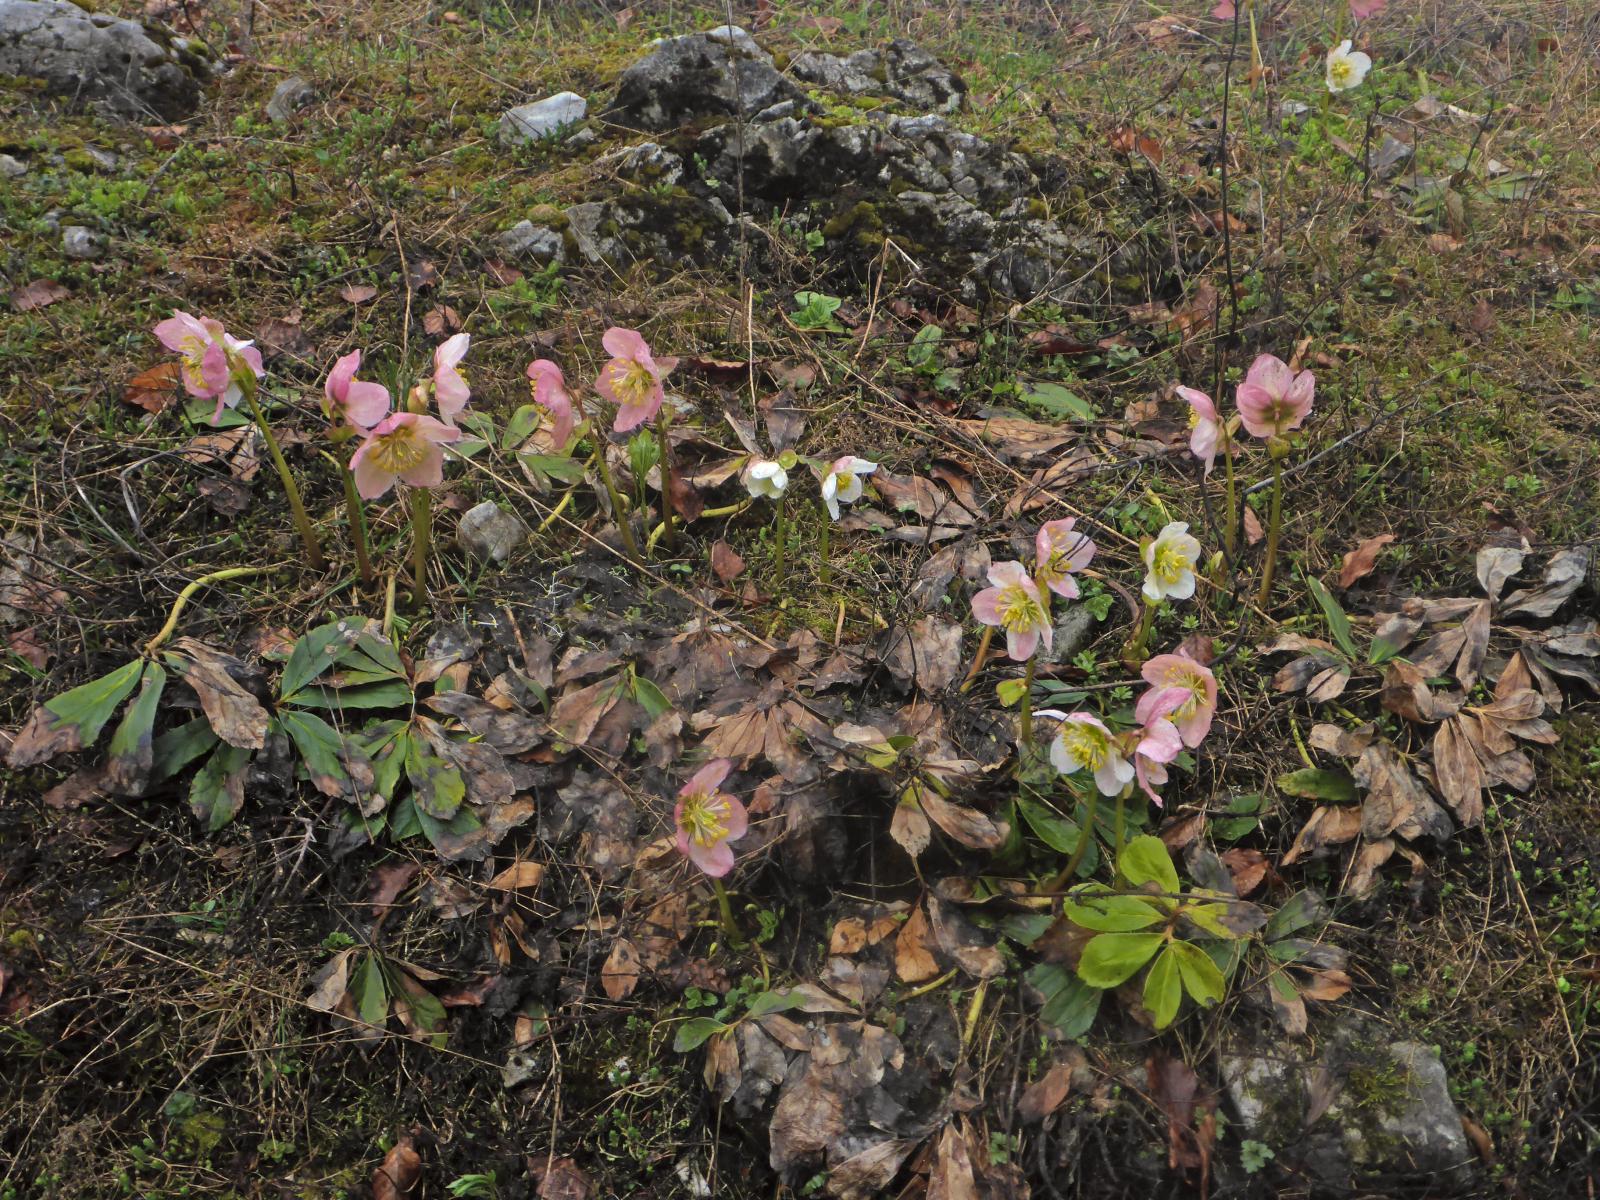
(1025,724)
(978,660)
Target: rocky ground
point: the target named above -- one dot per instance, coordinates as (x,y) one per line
(979,245)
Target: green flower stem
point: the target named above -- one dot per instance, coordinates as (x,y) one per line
(421,543)
(188,592)
(604,469)
(781,536)
(725,908)
(1025,724)
(822,549)
(1118,827)
(356,517)
(1136,644)
(297,508)
(1063,879)
(663,430)
(1230,530)
(1274,525)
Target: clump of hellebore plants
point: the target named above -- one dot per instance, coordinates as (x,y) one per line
(706,819)
(216,365)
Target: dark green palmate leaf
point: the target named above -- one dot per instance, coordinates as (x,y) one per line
(1111,958)
(132,749)
(217,793)
(371,990)
(394,693)
(1070,1004)
(317,652)
(74,719)
(1201,977)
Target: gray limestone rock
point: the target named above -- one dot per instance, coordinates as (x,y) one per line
(132,70)
(538,242)
(718,74)
(81,242)
(1369,1106)
(542,118)
(490,533)
(900,71)
(10,168)
(288,98)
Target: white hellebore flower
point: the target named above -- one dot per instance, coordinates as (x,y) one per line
(842,483)
(766,480)
(1346,67)
(1083,743)
(1169,564)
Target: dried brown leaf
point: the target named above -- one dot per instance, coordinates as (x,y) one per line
(38,294)
(1359,563)
(1045,1094)
(1362,879)
(1328,826)
(909,826)
(397,1177)
(620,974)
(1457,772)
(968,826)
(235,715)
(913,960)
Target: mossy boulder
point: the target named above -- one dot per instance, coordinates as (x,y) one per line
(131,70)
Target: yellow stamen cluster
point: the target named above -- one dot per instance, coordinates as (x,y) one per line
(705,816)
(634,384)
(1170,563)
(1018,610)
(1192,683)
(399,450)
(1340,72)
(1086,743)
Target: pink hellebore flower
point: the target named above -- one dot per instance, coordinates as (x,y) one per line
(1362,9)
(1225,10)
(1168,672)
(708,819)
(212,359)
(550,394)
(1205,426)
(353,401)
(1158,741)
(1015,604)
(1273,399)
(1058,552)
(632,379)
(404,447)
(449,385)
(1083,743)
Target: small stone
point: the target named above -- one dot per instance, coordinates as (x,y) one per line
(1386,159)
(582,139)
(79,241)
(530,122)
(489,532)
(102,158)
(527,240)
(1074,631)
(732,35)
(288,98)
(10,168)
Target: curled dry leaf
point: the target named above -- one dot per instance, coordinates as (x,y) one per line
(1396,802)
(234,714)
(726,561)
(397,1177)
(1359,563)
(1562,577)
(968,826)
(620,974)
(1362,879)
(1497,564)
(1407,694)
(909,826)
(1457,773)
(1330,825)
(913,960)
(1344,743)
(1045,1094)
(927,656)
(38,294)
(1248,868)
